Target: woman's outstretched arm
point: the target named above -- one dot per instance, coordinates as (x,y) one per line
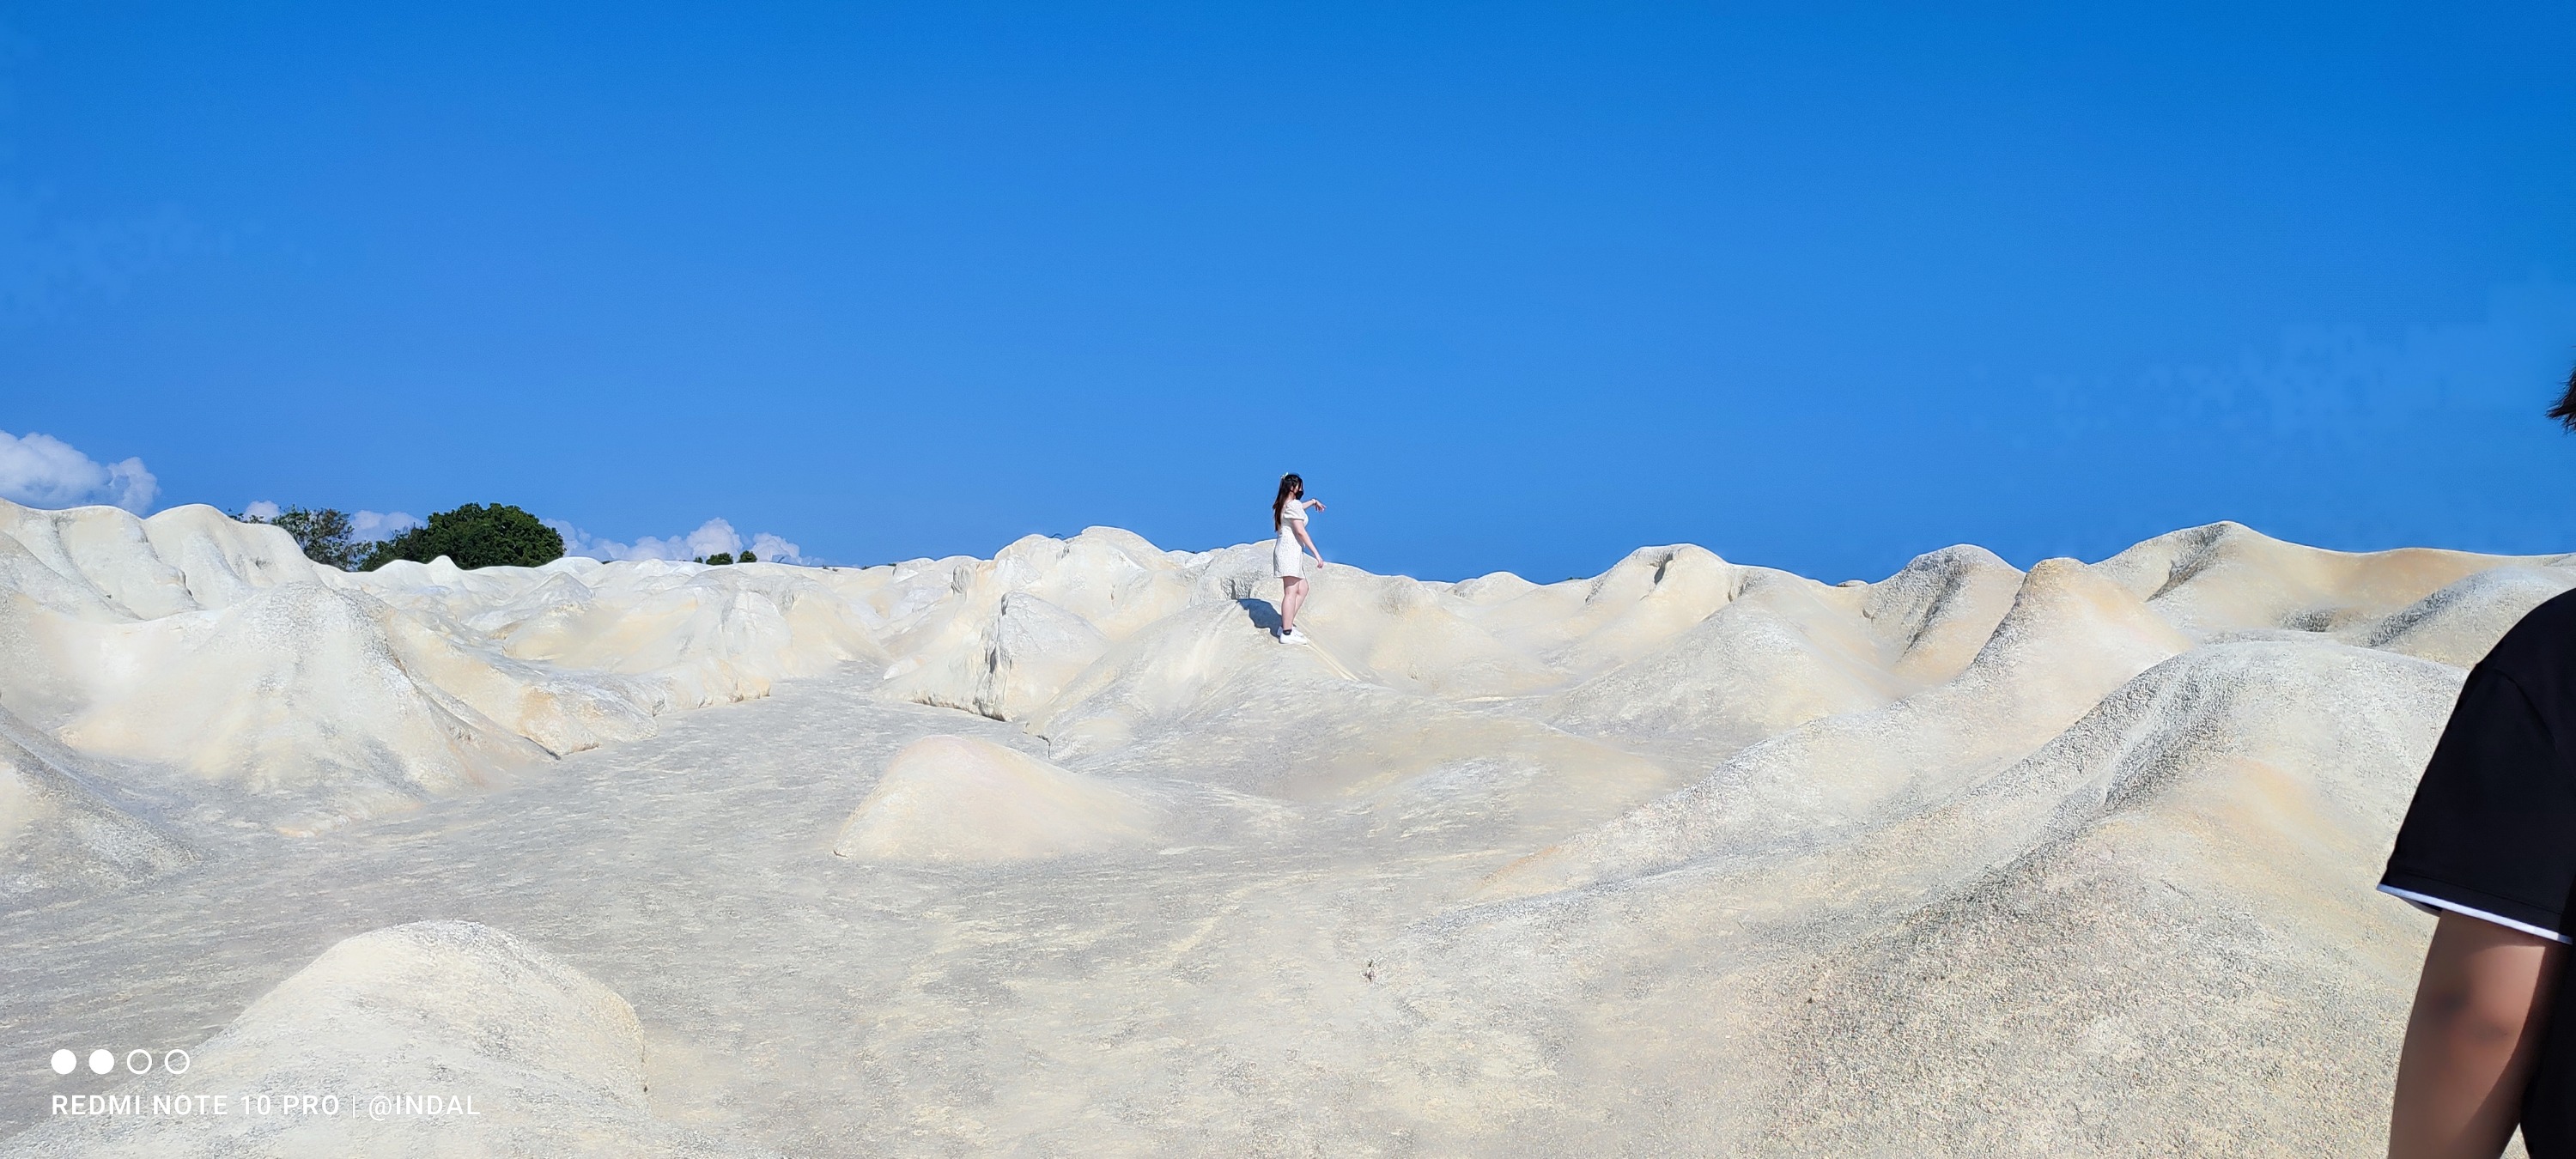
(2471,1040)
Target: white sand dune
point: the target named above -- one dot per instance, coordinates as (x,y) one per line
(190,644)
(2070,638)
(687,634)
(59,835)
(1788,650)
(1689,857)
(961,800)
(2457,624)
(385,1022)
(293,697)
(2177,873)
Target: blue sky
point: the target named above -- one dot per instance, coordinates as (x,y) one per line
(1514,286)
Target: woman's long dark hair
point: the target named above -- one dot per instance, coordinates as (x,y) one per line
(1289,484)
(2565,411)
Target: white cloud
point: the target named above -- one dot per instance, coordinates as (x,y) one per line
(712,537)
(370,526)
(364,527)
(772,549)
(43,471)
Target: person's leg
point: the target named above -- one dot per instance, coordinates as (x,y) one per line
(1292,595)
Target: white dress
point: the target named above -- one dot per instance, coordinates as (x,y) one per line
(1289,557)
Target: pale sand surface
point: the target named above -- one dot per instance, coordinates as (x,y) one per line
(1205,999)
(1059,852)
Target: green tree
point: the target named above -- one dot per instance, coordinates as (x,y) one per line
(473,536)
(720,558)
(323,535)
(746,557)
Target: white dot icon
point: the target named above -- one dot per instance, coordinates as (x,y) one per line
(64,1061)
(101,1061)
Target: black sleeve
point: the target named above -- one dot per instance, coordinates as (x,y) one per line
(2492,832)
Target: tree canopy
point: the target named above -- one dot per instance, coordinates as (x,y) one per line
(323,536)
(475,535)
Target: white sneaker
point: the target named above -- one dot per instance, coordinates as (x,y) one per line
(1292,636)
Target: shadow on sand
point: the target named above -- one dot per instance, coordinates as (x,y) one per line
(1264,614)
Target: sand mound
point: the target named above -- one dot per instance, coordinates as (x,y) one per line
(58,837)
(1927,983)
(1199,660)
(1787,651)
(1617,616)
(294,697)
(687,635)
(2228,577)
(394,1022)
(2206,855)
(102,563)
(1691,856)
(1004,666)
(1776,657)
(2457,624)
(1931,618)
(955,800)
(1410,636)
(1000,638)
(2070,638)
(562,710)
(1007,638)
(302,697)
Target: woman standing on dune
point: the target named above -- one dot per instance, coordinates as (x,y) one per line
(1288,558)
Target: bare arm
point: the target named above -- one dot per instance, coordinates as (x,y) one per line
(2470,1040)
(1302,537)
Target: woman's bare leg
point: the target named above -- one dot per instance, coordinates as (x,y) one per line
(1291,597)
